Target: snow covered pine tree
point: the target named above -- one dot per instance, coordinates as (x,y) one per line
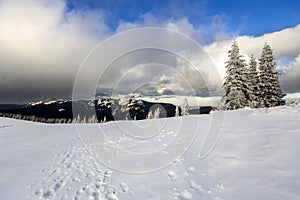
(235,85)
(253,83)
(270,92)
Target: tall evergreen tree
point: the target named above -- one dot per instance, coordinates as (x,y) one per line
(253,83)
(270,92)
(235,84)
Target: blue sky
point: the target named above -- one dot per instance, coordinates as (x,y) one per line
(243,17)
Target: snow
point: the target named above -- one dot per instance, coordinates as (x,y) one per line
(191,169)
(185,195)
(256,157)
(172,175)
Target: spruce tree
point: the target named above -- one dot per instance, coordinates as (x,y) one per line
(270,92)
(253,83)
(235,84)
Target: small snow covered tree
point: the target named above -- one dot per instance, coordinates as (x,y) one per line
(104,119)
(270,92)
(236,83)
(177,112)
(150,115)
(92,119)
(156,113)
(253,83)
(185,107)
(76,119)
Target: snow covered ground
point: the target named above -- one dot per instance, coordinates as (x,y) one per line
(256,157)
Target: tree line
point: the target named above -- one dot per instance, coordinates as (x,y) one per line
(254,84)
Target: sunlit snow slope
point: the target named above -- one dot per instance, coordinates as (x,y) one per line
(256,157)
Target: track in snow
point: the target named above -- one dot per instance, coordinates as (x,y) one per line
(74,174)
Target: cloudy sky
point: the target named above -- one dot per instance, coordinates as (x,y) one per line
(45,44)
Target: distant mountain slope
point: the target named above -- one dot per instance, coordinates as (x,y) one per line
(100,110)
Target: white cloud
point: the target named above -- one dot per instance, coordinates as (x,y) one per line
(291,78)
(148,20)
(208,78)
(285,42)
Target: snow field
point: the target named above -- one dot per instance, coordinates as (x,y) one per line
(256,157)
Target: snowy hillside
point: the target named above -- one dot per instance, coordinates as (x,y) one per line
(256,157)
